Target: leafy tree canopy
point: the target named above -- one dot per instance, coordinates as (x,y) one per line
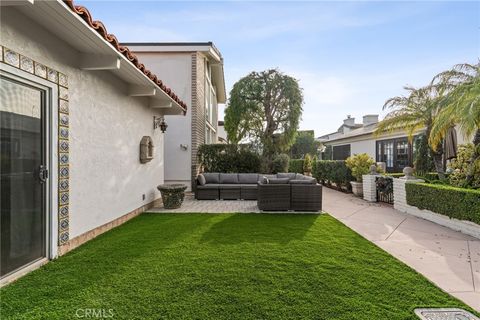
(304,144)
(264,108)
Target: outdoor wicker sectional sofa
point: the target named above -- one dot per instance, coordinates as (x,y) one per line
(279,192)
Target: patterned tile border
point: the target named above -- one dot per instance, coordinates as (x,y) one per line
(26,64)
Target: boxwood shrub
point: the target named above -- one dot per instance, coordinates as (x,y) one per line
(459,203)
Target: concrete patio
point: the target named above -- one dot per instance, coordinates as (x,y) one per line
(448,258)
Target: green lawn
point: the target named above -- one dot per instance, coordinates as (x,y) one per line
(226,266)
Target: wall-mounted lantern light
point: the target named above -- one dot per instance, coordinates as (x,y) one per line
(159,122)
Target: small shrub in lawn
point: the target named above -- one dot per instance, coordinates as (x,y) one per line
(459,203)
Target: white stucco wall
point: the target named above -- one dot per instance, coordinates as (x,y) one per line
(175,70)
(364,146)
(107,179)
(221,133)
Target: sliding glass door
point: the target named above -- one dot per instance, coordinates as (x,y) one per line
(23,174)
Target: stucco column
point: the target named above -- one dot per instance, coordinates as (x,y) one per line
(399,192)
(370,187)
(370,184)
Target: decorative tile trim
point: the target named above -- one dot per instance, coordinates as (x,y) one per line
(40,70)
(11,57)
(26,64)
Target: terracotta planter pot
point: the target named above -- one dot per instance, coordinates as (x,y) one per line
(357,188)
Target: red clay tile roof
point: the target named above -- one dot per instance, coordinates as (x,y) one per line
(99,27)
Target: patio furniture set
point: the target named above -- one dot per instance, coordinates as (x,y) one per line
(278,192)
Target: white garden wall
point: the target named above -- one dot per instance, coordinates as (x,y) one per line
(400,204)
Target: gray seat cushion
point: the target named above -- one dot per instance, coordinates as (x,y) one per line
(228,178)
(278,181)
(288,175)
(212,177)
(201,179)
(247,178)
(264,178)
(303,181)
(209,186)
(299,176)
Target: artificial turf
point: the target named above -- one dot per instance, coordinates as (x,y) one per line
(225,266)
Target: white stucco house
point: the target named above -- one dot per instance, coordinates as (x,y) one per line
(79,151)
(195,72)
(222,136)
(394,149)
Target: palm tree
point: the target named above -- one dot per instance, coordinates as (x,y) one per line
(412,113)
(460,106)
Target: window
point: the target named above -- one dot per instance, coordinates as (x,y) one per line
(211,107)
(396,153)
(341,152)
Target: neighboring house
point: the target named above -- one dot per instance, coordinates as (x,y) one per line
(353,138)
(394,149)
(195,72)
(79,152)
(221,133)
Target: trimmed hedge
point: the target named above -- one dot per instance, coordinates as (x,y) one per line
(326,171)
(333,171)
(295,165)
(228,158)
(459,203)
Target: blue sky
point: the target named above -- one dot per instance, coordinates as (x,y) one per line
(348,56)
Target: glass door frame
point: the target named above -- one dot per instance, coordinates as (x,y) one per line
(380,147)
(50,159)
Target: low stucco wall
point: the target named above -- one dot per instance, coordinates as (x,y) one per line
(107,179)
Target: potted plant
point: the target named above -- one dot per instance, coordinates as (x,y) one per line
(307,165)
(360,165)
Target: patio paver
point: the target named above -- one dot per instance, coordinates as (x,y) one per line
(448,258)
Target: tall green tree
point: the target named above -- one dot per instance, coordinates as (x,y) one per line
(305,143)
(460,106)
(265,108)
(413,112)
